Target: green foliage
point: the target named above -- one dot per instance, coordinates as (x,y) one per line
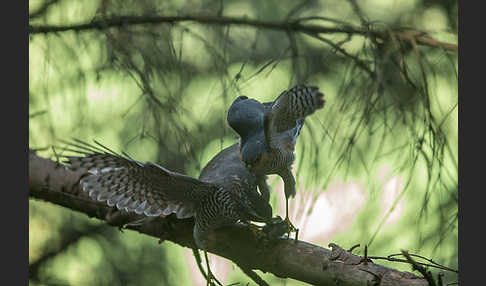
(161,91)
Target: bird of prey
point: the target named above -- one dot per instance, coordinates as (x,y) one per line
(268,133)
(152,190)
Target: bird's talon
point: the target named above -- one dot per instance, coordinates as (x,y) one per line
(291,228)
(254,229)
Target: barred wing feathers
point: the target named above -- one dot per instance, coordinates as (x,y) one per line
(293,105)
(130,185)
(285,116)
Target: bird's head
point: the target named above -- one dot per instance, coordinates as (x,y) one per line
(245,116)
(241,97)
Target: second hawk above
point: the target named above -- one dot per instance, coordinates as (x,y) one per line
(268,133)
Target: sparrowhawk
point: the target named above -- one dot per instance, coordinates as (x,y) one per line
(152,190)
(268,133)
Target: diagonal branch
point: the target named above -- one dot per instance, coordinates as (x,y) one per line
(299,260)
(286,26)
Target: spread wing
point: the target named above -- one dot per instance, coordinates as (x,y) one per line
(285,116)
(135,186)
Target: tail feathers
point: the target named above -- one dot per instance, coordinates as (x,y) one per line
(304,101)
(295,104)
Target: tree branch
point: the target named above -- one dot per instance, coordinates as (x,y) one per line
(293,26)
(52,182)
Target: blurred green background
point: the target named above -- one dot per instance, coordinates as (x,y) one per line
(377,166)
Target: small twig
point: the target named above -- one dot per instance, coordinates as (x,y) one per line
(439,279)
(357,10)
(427,259)
(56,155)
(221,7)
(434,264)
(35,114)
(197,256)
(297,8)
(359,62)
(255,277)
(427,274)
(353,247)
(366,255)
(327,19)
(35,150)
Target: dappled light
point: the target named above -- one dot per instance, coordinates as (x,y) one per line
(376,166)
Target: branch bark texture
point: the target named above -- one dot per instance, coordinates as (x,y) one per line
(52,182)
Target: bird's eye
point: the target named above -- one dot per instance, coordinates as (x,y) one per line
(242,97)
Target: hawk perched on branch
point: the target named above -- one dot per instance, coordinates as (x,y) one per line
(268,133)
(152,190)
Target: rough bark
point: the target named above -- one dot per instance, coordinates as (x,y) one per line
(52,182)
